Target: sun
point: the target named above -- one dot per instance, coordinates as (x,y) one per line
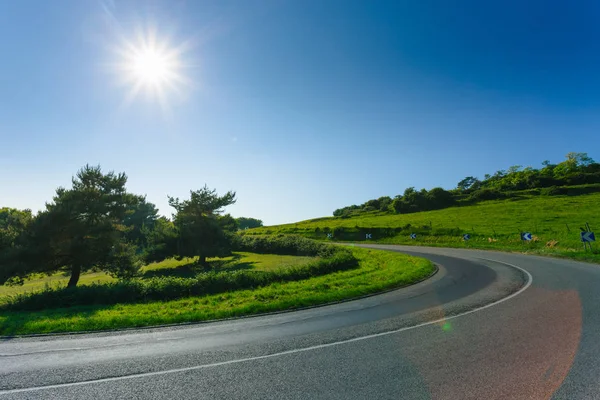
(151,67)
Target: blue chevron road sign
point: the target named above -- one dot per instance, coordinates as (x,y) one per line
(368,236)
(587,237)
(466,236)
(413,236)
(526,236)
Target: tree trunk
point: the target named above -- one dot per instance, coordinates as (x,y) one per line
(75,273)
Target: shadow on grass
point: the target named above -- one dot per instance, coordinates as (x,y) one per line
(183,271)
(231,264)
(192,269)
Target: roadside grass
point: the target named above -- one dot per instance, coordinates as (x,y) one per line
(554,222)
(377,271)
(184,268)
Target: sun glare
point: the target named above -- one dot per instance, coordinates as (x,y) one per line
(151,67)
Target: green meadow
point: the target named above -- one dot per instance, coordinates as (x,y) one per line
(554,222)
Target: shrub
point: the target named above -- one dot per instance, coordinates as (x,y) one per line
(552,191)
(285,244)
(570,190)
(487,194)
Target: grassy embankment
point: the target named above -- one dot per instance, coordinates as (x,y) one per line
(554,222)
(374,271)
(170,267)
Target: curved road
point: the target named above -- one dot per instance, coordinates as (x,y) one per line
(487,326)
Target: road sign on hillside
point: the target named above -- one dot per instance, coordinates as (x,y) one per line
(330,235)
(526,236)
(588,237)
(368,236)
(413,236)
(466,236)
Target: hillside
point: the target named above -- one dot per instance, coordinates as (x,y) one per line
(577,174)
(554,221)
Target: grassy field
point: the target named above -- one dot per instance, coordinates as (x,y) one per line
(377,271)
(553,220)
(171,267)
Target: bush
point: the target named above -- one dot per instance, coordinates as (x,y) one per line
(570,190)
(552,191)
(486,194)
(286,245)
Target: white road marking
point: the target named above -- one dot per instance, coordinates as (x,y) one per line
(283,353)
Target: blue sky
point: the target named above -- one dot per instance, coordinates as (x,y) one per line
(302,107)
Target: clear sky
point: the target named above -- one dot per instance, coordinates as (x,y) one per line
(302,107)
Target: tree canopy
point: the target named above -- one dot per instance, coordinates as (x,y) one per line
(83,228)
(200,230)
(248,223)
(140,218)
(13,225)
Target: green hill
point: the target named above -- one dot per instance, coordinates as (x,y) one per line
(554,221)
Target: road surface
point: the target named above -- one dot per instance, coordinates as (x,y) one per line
(488,325)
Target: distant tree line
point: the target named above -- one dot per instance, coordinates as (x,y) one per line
(577,169)
(98,225)
(248,223)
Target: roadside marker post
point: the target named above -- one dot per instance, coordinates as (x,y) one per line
(526,236)
(368,236)
(413,236)
(466,237)
(330,236)
(587,237)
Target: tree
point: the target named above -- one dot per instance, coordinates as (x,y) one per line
(13,225)
(579,159)
(228,223)
(197,222)
(246,222)
(140,214)
(439,198)
(161,240)
(384,203)
(82,228)
(468,183)
(514,168)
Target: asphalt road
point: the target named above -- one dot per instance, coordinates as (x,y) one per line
(478,329)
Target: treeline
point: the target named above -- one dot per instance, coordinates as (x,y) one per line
(98,225)
(577,169)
